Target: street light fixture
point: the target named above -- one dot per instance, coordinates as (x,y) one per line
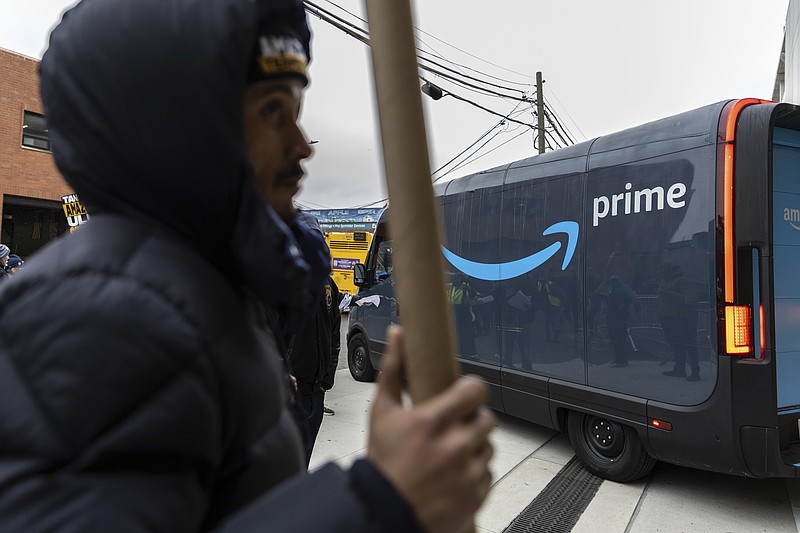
(434,91)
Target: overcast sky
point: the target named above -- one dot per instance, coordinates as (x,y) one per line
(607,66)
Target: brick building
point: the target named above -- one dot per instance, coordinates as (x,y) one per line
(30,185)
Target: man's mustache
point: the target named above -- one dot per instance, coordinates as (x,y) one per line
(290,174)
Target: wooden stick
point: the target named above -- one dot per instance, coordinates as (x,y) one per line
(416,253)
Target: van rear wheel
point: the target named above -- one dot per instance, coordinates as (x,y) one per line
(608,449)
(358,359)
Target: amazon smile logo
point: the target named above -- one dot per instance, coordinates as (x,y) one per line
(512,269)
(792,216)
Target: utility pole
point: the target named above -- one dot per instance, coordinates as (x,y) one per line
(540,111)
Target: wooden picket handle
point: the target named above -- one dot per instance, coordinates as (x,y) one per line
(416,254)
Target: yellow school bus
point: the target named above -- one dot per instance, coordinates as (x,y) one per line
(347,249)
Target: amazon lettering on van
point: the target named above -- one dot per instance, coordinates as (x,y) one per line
(637,201)
(791,215)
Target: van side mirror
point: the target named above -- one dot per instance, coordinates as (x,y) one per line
(360,275)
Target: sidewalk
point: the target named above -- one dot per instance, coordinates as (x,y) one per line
(527,457)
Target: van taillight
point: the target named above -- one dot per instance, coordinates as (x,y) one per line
(761,332)
(738,330)
(738,318)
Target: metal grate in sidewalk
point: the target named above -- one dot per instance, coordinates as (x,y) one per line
(559,506)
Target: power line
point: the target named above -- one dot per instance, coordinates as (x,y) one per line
(555,129)
(462,99)
(549,135)
(479,59)
(523,84)
(451,75)
(451,46)
(352,31)
(309,205)
(465,81)
(567,112)
(487,91)
(362,35)
(502,122)
(428,65)
(463,151)
(471,158)
(549,111)
(462,165)
(371,204)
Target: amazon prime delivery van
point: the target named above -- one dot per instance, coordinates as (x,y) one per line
(639,290)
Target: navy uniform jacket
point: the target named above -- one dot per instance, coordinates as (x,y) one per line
(313,352)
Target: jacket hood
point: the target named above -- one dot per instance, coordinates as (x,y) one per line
(144,103)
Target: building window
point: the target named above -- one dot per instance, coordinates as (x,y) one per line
(34,131)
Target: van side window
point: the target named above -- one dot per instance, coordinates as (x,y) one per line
(383,264)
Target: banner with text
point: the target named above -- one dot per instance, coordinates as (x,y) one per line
(347,219)
(74,211)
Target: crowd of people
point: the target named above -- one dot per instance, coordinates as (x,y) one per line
(10,263)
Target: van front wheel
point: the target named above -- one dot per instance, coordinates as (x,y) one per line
(358,359)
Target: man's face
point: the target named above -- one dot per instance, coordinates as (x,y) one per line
(275,143)
(4,261)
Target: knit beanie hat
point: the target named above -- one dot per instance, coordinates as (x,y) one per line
(282,49)
(4,250)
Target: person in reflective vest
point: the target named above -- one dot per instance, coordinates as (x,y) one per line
(462,299)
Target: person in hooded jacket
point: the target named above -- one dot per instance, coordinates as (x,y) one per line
(14,264)
(135,398)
